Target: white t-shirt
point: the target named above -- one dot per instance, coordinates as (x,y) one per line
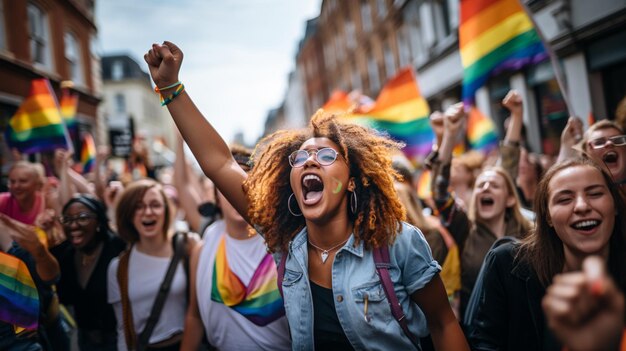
(145,275)
(227,329)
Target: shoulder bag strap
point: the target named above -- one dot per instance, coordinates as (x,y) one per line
(381,259)
(179,250)
(281,273)
(127,312)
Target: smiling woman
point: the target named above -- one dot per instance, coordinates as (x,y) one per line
(580,213)
(84,258)
(324,199)
(143,217)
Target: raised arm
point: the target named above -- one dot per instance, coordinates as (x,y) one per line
(207,145)
(510,146)
(571,135)
(189,199)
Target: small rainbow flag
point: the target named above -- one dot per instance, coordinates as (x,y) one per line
(481,132)
(423,185)
(88,153)
(402,112)
(37,125)
(494,36)
(19,300)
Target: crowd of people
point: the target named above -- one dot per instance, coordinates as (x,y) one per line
(317,240)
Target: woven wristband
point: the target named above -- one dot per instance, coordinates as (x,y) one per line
(168,99)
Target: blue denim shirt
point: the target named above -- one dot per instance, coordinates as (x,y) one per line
(354,277)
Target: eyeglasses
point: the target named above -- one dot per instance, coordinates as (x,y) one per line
(599,143)
(83,219)
(324,157)
(155,207)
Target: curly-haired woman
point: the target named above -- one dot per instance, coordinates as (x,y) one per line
(325,198)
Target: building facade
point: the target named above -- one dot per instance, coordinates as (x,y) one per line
(132,110)
(361,43)
(52,39)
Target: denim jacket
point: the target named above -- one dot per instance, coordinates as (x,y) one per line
(354,278)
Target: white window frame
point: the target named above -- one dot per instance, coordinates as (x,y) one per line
(120,103)
(73,58)
(39,36)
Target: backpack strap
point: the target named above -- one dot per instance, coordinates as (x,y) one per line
(281,273)
(382,262)
(127,312)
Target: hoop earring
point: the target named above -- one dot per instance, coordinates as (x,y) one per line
(289,207)
(353,202)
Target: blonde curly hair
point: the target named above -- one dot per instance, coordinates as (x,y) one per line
(368,155)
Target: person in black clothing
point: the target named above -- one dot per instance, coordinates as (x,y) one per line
(580,213)
(84,257)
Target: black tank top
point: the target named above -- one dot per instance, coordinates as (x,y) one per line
(327,331)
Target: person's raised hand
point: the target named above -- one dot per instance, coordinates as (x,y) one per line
(513,102)
(25,235)
(164,61)
(453,119)
(572,133)
(585,309)
(48,221)
(436,123)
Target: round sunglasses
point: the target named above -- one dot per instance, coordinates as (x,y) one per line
(325,156)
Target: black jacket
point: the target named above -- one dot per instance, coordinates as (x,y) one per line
(506,312)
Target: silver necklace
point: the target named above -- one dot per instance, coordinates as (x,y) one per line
(324,252)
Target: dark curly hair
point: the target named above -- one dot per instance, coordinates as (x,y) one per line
(368,155)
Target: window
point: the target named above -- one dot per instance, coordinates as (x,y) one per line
(117,70)
(73,58)
(38,32)
(404,50)
(356,79)
(372,69)
(120,103)
(3,43)
(366,16)
(382,8)
(390,65)
(453,14)
(350,35)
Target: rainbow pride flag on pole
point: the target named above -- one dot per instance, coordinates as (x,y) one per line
(402,112)
(481,132)
(19,300)
(37,125)
(68,106)
(494,36)
(88,153)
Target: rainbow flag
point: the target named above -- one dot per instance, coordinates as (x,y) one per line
(88,153)
(37,125)
(19,300)
(494,36)
(259,302)
(402,112)
(338,102)
(68,107)
(423,185)
(481,132)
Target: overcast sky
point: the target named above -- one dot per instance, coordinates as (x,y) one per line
(238,53)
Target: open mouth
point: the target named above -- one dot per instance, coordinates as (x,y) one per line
(586,225)
(149,224)
(77,237)
(486,201)
(312,187)
(610,158)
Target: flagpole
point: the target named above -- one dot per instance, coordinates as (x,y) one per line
(554,60)
(68,140)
